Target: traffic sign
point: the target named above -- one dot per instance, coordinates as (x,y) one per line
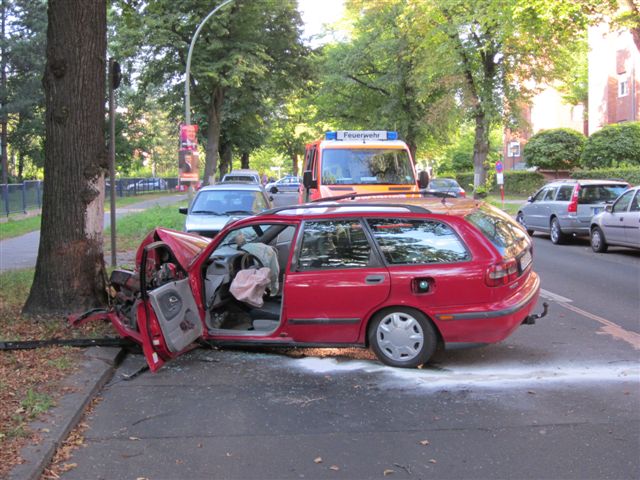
(499,166)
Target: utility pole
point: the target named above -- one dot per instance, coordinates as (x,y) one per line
(114,83)
(3,100)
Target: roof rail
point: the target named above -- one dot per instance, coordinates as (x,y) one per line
(422,193)
(410,208)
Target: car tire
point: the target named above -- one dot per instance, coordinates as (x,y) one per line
(520,220)
(558,237)
(402,337)
(598,242)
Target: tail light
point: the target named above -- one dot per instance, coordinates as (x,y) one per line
(502,273)
(462,193)
(573,204)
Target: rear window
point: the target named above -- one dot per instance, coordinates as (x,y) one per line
(590,194)
(410,242)
(500,229)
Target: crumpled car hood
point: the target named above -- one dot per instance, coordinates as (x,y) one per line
(185,246)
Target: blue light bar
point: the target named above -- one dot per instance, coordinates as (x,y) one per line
(392,135)
(331,135)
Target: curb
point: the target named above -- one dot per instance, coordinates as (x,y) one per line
(94,373)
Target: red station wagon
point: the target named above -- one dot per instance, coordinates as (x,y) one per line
(398,275)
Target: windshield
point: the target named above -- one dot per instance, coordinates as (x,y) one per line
(375,166)
(221,202)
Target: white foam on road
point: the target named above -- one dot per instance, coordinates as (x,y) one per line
(458,377)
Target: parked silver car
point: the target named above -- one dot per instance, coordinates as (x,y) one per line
(216,205)
(565,207)
(285,184)
(446,185)
(619,224)
(242,175)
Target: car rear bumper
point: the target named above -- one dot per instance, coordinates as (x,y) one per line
(493,323)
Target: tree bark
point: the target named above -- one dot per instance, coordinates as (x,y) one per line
(294,164)
(244,160)
(225,159)
(70,272)
(480,149)
(214,116)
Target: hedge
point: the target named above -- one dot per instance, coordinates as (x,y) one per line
(627,174)
(516,182)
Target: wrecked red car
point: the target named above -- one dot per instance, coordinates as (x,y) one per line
(400,276)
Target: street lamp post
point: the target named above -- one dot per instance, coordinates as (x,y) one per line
(187,103)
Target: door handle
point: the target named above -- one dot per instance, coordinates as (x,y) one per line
(373,279)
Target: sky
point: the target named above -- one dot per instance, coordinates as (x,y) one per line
(316,13)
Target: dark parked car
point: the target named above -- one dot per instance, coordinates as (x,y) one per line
(147,185)
(400,276)
(446,185)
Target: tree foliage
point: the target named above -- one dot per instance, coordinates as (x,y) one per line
(554,149)
(246,58)
(21,93)
(613,146)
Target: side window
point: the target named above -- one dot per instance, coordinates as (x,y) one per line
(334,244)
(564,193)
(550,194)
(417,241)
(623,202)
(635,204)
(540,195)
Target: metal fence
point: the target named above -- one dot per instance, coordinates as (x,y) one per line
(22,197)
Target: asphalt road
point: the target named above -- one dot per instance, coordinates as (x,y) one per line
(560,399)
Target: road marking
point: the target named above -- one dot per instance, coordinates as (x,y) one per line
(554,297)
(608,328)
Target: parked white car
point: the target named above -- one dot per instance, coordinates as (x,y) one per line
(618,224)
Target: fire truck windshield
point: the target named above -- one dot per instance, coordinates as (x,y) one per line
(375,166)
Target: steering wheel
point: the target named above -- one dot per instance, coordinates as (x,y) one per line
(249,260)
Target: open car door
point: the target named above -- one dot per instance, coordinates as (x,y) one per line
(168,316)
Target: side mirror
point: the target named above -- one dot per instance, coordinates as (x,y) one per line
(308,181)
(270,198)
(608,208)
(423,179)
(273,189)
(530,199)
(183,210)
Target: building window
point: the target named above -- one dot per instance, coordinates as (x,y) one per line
(514,149)
(623,86)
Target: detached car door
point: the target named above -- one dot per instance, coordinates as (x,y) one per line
(336,280)
(168,316)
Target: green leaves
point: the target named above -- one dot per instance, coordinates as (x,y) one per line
(555,149)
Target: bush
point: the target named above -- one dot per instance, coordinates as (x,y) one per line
(612,146)
(629,174)
(554,149)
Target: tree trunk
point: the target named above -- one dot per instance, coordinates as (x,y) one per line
(294,164)
(70,272)
(214,116)
(244,160)
(225,160)
(480,150)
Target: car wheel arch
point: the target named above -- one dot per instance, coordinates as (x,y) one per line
(391,308)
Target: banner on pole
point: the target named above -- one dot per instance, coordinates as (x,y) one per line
(189,165)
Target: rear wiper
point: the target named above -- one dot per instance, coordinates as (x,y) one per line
(208,212)
(234,212)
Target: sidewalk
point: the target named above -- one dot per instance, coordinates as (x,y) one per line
(22,252)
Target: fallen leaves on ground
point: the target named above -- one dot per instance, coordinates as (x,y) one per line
(31,380)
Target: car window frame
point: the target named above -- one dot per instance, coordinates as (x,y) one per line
(375,260)
(421,219)
(631,196)
(635,201)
